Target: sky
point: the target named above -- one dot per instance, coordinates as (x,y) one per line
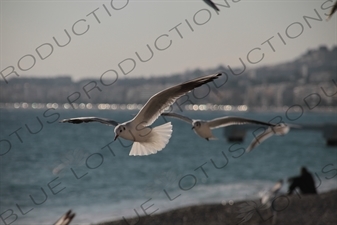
(133,38)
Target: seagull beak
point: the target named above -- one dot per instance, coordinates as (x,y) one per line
(116,137)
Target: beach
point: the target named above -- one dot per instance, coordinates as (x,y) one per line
(285,210)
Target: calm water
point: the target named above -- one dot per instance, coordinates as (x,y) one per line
(67,166)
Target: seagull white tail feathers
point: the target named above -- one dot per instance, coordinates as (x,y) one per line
(158,139)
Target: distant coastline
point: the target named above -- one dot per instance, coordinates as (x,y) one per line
(308,81)
(126,107)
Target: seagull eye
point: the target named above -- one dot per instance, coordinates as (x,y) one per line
(120,131)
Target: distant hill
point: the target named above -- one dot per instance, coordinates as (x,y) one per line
(279,85)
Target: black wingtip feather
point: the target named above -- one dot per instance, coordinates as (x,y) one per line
(66,218)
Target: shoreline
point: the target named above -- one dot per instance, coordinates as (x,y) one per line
(136,107)
(295,209)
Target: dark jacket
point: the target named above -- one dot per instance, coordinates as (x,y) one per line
(305,182)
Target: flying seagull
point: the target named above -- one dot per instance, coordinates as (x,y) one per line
(65,219)
(278,129)
(268,199)
(333,10)
(211,4)
(269,196)
(249,208)
(149,140)
(203,128)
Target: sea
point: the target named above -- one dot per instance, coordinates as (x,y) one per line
(49,167)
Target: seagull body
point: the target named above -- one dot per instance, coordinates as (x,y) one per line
(146,140)
(149,140)
(204,128)
(279,129)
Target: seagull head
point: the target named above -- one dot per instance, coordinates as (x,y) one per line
(196,125)
(119,131)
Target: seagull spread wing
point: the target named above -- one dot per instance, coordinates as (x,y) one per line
(229,120)
(178,116)
(163,99)
(211,4)
(333,10)
(277,187)
(259,139)
(90,119)
(65,219)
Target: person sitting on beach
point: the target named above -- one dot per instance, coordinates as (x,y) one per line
(305,182)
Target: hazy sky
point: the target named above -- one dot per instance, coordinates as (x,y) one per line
(182,34)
